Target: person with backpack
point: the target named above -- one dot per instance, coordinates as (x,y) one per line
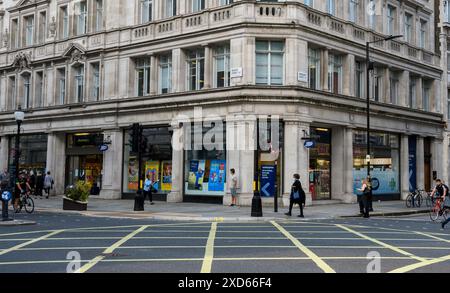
(365,197)
(298,196)
(148,186)
(442,191)
(48,183)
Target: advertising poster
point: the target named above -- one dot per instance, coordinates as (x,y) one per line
(196,173)
(152,168)
(166,184)
(268,176)
(412,163)
(217,176)
(388,180)
(133,174)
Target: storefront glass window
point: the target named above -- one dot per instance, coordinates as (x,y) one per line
(33,153)
(384,162)
(156,160)
(320,165)
(205,163)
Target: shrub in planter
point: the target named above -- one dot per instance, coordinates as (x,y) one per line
(77,196)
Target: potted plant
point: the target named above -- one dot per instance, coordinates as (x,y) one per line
(77,196)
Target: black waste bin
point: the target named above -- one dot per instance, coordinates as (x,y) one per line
(139,202)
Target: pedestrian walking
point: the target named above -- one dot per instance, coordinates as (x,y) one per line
(148,185)
(233,187)
(365,198)
(298,196)
(39,184)
(4,178)
(48,183)
(32,183)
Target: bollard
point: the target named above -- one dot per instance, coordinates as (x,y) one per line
(139,202)
(6,197)
(257,205)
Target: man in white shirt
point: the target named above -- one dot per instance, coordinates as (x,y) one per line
(233,187)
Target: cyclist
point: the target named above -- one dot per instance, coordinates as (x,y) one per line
(22,187)
(440,190)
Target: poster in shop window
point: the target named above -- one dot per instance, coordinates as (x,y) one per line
(152,169)
(196,174)
(166,184)
(133,174)
(217,176)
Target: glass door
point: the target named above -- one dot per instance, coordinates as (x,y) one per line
(320,165)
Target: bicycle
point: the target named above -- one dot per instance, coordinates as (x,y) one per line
(25,201)
(414,199)
(438,210)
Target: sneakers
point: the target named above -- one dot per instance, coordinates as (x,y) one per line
(301,216)
(232,205)
(152,203)
(443,225)
(288,214)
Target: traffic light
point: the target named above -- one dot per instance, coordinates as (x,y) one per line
(135,134)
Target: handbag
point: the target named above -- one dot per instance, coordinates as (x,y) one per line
(296,195)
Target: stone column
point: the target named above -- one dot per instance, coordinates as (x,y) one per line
(56,160)
(112,166)
(237,53)
(437,157)
(419,92)
(403,89)
(153,75)
(387,86)
(342,162)
(241,134)
(4,150)
(296,157)
(420,156)
(208,67)
(178,76)
(324,70)
(176,194)
(404,168)
(349,79)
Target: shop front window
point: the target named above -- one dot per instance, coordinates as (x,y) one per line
(320,164)
(156,160)
(205,162)
(385,162)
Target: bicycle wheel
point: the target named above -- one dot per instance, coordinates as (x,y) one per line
(29,205)
(419,201)
(434,213)
(409,200)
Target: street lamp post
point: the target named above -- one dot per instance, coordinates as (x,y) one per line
(256,200)
(19,116)
(370,66)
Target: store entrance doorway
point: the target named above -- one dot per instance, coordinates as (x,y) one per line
(87,168)
(320,164)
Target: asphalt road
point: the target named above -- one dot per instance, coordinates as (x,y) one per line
(74,243)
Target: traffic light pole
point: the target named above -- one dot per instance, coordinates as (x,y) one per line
(137,146)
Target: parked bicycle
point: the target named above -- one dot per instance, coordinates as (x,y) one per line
(438,210)
(415,198)
(25,201)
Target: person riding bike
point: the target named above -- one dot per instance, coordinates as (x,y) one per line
(440,190)
(22,187)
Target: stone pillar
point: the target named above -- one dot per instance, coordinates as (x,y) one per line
(349,79)
(342,162)
(420,156)
(56,160)
(153,75)
(4,150)
(241,134)
(237,55)
(403,89)
(176,194)
(296,60)
(112,166)
(324,70)
(178,76)
(387,86)
(208,67)
(437,157)
(419,93)
(296,157)
(404,168)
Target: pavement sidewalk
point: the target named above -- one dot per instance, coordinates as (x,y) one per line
(214,212)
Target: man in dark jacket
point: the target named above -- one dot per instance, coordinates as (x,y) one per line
(298,196)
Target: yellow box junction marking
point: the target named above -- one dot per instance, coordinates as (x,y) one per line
(209,250)
(391,247)
(30,242)
(314,257)
(424,263)
(109,250)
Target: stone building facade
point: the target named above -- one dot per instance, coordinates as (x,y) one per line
(85,71)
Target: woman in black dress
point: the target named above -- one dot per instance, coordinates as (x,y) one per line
(298,196)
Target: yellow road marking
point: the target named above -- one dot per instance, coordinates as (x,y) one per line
(391,247)
(109,250)
(319,262)
(424,263)
(209,250)
(30,242)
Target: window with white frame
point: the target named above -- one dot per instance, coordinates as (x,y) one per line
(165,74)
(376,89)
(309,3)
(12,92)
(353,10)
(423,33)
(412,92)
(269,62)
(171,8)
(196,69)
(64,22)
(79,83)
(198,5)
(408,27)
(372,11)
(61,72)
(146,7)
(225,2)
(314,64)
(95,81)
(29,30)
(359,79)
(331,7)
(143,77)
(391,15)
(393,85)
(42,26)
(39,89)
(448,105)
(335,77)
(222,66)
(98,15)
(447,10)
(26,94)
(81,17)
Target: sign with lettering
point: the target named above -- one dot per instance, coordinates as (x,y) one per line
(302,76)
(236,72)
